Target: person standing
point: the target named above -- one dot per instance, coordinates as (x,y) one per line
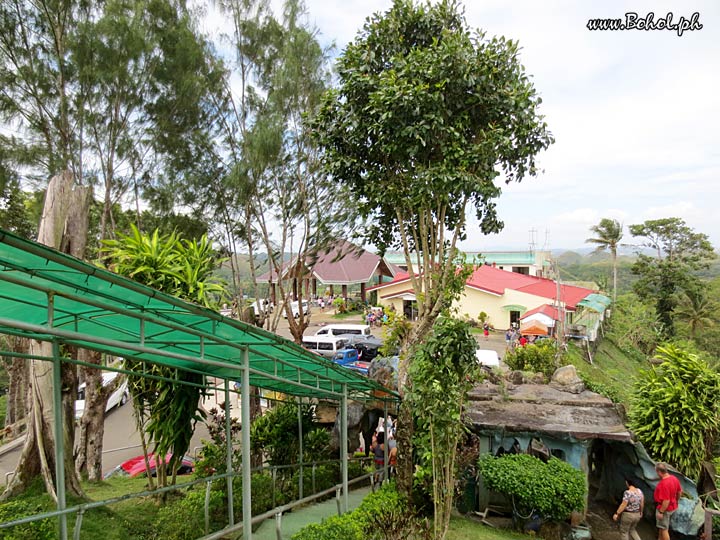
(667,494)
(486,331)
(630,511)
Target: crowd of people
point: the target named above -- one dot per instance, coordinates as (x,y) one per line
(514,339)
(376,317)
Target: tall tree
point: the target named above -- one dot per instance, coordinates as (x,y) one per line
(36,78)
(273,198)
(147,78)
(608,233)
(63,227)
(426,115)
(679,253)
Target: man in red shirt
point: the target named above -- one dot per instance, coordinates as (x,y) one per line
(667,494)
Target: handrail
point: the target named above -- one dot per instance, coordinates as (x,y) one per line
(284,508)
(83,507)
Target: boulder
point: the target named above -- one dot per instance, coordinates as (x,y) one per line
(566,379)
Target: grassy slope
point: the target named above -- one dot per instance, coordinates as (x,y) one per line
(612,368)
(126,520)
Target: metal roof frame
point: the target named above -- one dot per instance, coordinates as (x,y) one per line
(48,295)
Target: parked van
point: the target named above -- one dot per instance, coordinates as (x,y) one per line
(295,308)
(344,329)
(117,398)
(325,345)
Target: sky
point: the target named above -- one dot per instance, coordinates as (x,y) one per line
(634,113)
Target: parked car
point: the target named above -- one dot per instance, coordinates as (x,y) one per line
(366,345)
(349,358)
(295,309)
(136,466)
(118,398)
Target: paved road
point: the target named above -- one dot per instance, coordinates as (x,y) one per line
(121,441)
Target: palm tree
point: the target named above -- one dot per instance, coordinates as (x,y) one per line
(609,233)
(696,309)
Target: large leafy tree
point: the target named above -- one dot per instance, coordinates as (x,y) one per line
(166,411)
(675,412)
(426,116)
(679,253)
(608,234)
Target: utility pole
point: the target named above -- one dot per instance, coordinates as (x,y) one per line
(560,311)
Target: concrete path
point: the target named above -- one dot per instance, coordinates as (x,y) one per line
(300,517)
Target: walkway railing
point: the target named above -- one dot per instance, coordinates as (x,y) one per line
(277,511)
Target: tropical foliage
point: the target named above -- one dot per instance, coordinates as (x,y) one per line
(443,370)
(675,413)
(166,409)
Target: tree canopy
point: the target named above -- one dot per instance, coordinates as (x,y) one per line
(679,253)
(426,114)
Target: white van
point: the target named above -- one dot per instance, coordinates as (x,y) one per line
(117,398)
(324,345)
(295,308)
(344,329)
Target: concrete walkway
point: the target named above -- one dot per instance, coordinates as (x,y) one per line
(314,513)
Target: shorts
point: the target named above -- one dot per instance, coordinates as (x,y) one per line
(664,522)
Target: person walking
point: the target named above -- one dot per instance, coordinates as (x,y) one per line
(486,331)
(630,511)
(667,494)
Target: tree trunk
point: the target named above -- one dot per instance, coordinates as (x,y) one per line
(88,459)
(18,372)
(59,228)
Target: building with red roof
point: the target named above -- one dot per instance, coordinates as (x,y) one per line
(342,265)
(505,297)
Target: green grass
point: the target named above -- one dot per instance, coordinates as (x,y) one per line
(130,519)
(348,315)
(611,368)
(462,528)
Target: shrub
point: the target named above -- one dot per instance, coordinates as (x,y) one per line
(539,358)
(555,489)
(334,528)
(383,515)
(184,518)
(275,433)
(37,530)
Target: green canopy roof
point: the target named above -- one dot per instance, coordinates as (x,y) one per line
(49,295)
(596,302)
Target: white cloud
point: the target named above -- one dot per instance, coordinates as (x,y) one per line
(634,113)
